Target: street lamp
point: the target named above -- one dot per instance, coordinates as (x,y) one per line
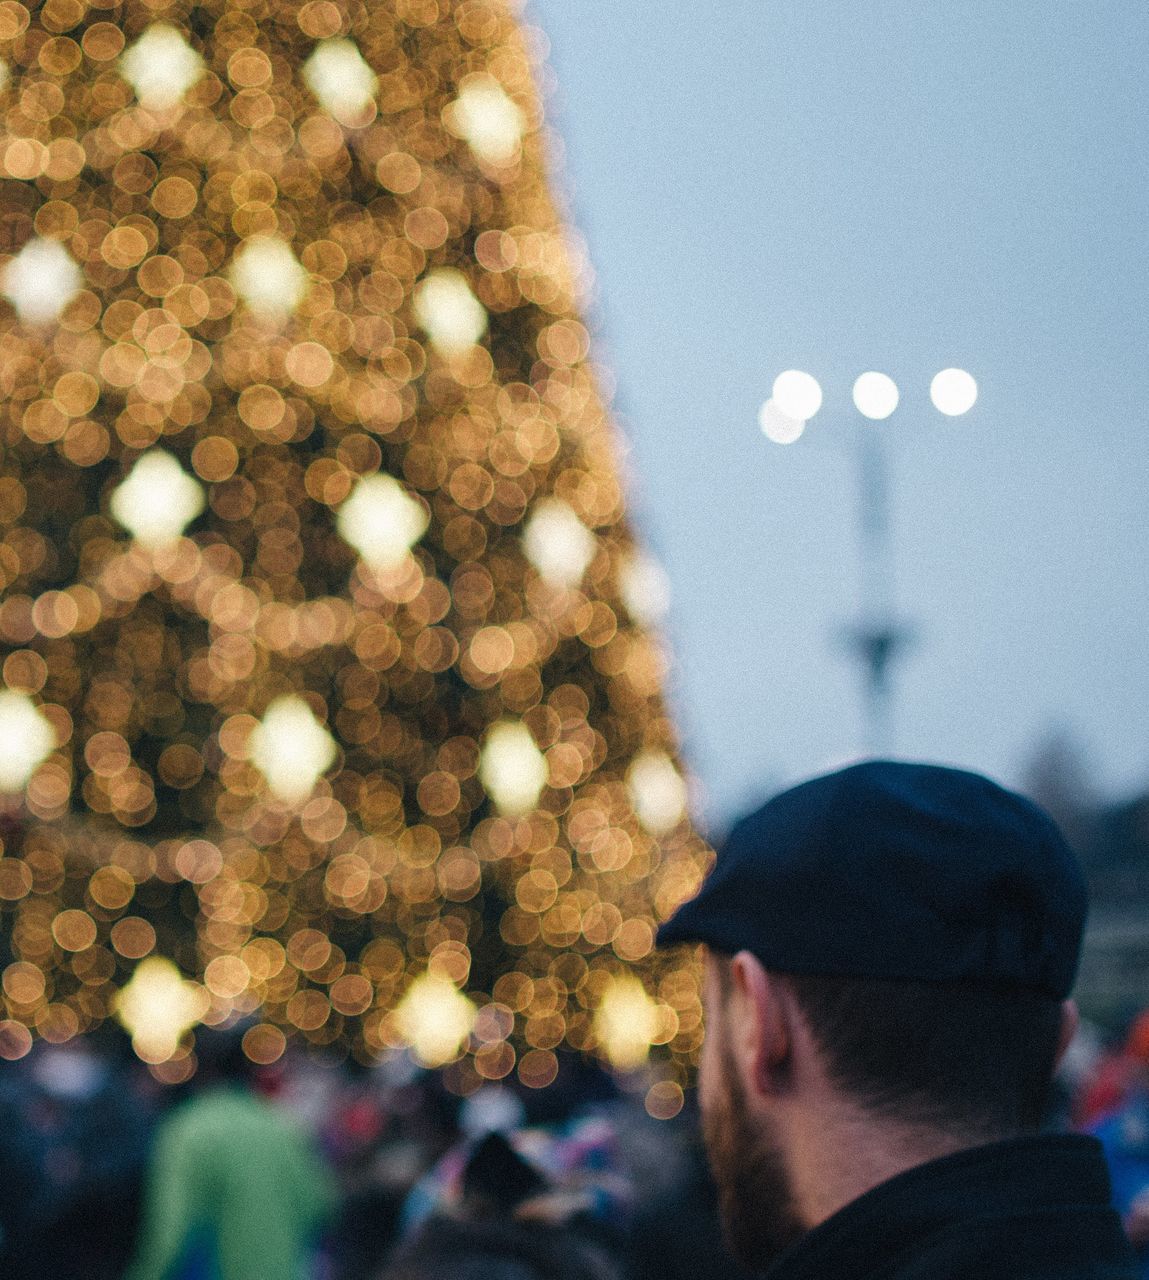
(878,637)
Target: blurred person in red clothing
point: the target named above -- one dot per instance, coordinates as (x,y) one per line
(1114,1076)
(1123,1129)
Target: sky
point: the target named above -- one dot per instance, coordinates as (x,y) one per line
(837,188)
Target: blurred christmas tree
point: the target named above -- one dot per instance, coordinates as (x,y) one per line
(326,652)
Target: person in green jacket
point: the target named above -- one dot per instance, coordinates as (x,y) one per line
(234,1189)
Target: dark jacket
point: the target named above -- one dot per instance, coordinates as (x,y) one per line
(1024,1209)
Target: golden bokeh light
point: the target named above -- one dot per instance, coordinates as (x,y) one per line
(512,769)
(381,522)
(330,681)
(26,739)
(626,1023)
(157,501)
(434,1018)
(268,277)
(338,76)
(491,122)
(157,1007)
(291,749)
(41,280)
(161,67)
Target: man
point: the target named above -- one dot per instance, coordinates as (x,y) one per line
(890,949)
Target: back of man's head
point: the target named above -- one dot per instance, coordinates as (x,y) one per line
(929,921)
(971,1062)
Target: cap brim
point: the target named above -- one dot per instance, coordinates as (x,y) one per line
(681,927)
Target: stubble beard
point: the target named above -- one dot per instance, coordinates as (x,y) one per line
(755,1195)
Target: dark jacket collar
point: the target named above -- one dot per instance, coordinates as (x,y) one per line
(1021,1185)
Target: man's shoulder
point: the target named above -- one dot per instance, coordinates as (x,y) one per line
(1031,1208)
(1037,1244)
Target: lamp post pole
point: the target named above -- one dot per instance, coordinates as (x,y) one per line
(878,639)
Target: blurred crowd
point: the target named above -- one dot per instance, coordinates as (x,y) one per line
(312,1168)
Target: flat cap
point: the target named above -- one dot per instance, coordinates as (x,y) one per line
(899,871)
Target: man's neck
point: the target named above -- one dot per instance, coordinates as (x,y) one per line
(838,1153)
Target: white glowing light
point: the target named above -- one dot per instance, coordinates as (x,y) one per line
(268,276)
(657,792)
(797,394)
(291,748)
(158,1006)
(492,124)
(158,500)
(645,589)
(626,1023)
(557,543)
(777,426)
(381,521)
(450,313)
(41,280)
(953,392)
(434,1018)
(339,77)
(161,67)
(512,769)
(26,740)
(875,395)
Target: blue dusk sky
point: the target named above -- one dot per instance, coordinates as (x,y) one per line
(839,187)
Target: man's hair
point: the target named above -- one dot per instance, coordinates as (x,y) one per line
(960,1058)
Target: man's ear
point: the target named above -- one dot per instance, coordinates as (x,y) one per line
(760,1032)
(1069,1023)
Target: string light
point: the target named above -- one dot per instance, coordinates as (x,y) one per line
(627,1023)
(512,768)
(381,522)
(483,114)
(161,67)
(157,1006)
(331,689)
(451,314)
(158,500)
(291,748)
(26,740)
(779,427)
(41,280)
(434,1018)
(268,276)
(340,79)
(657,792)
(797,395)
(557,542)
(645,589)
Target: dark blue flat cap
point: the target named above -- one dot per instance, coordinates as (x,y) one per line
(899,871)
